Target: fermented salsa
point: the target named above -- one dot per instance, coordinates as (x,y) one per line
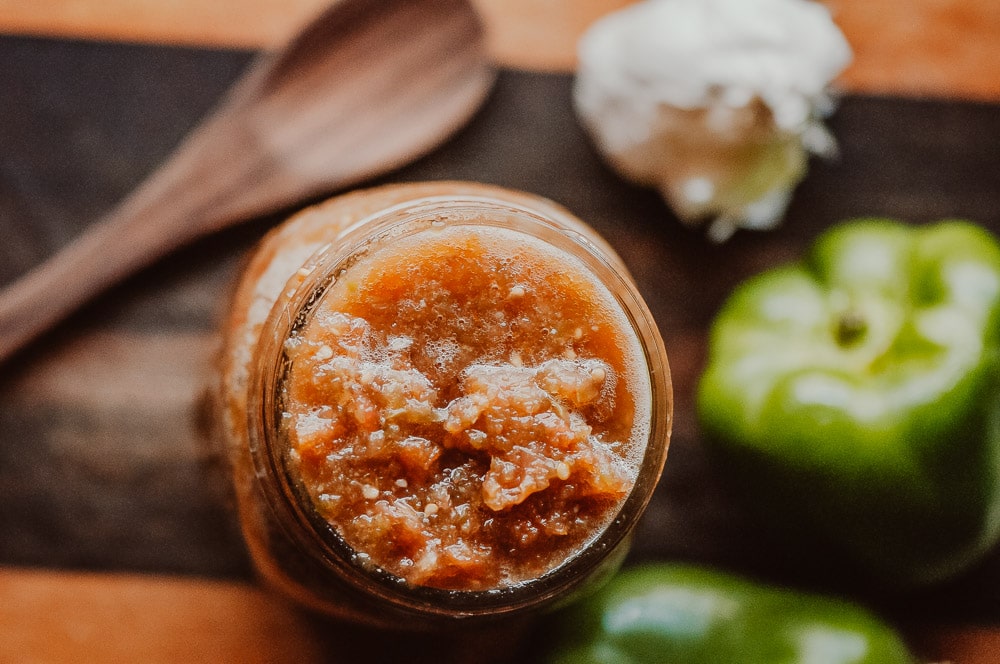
(442,402)
(467,407)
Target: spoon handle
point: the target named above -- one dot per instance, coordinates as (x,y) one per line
(49,292)
(193,193)
(365,88)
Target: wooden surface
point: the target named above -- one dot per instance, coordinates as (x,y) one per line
(105,473)
(280,138)
(100,618)
(939,48)
(74,616)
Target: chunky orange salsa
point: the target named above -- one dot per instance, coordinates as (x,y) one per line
(466,407)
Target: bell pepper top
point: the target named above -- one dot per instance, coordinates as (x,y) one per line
(857,394)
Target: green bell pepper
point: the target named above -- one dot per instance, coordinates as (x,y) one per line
(665,613)
(856,396)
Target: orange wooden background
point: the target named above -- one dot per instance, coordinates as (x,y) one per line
(940,48)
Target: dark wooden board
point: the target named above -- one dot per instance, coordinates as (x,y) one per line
(102,461)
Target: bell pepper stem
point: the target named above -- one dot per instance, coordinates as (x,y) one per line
(851,328)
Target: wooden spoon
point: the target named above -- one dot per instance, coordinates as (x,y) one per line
(366,87)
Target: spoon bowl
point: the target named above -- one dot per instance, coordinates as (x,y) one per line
(364,88)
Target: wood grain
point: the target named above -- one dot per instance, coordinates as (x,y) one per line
(279,137)
(50,617)
(971,645)
(939,48)
(104,472)
(923,47)
(61,617)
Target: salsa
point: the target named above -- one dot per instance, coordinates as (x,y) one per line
(467,408)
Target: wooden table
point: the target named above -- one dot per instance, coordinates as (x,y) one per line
(916,48)
(101,420)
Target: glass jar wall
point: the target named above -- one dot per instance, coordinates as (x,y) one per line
(441,401)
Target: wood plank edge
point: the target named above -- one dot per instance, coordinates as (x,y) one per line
(61,616)
(54,616)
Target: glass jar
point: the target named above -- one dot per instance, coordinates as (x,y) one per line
(308,549)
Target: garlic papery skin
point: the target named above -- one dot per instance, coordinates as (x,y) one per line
(716,103)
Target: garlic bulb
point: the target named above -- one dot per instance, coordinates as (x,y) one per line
(717,103)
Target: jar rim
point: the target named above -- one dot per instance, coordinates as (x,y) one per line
(293,310)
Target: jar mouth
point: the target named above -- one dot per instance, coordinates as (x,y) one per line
(292,502)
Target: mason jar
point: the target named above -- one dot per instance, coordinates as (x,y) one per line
(442,403)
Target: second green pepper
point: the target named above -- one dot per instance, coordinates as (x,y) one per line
(691,615)
(857,395)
